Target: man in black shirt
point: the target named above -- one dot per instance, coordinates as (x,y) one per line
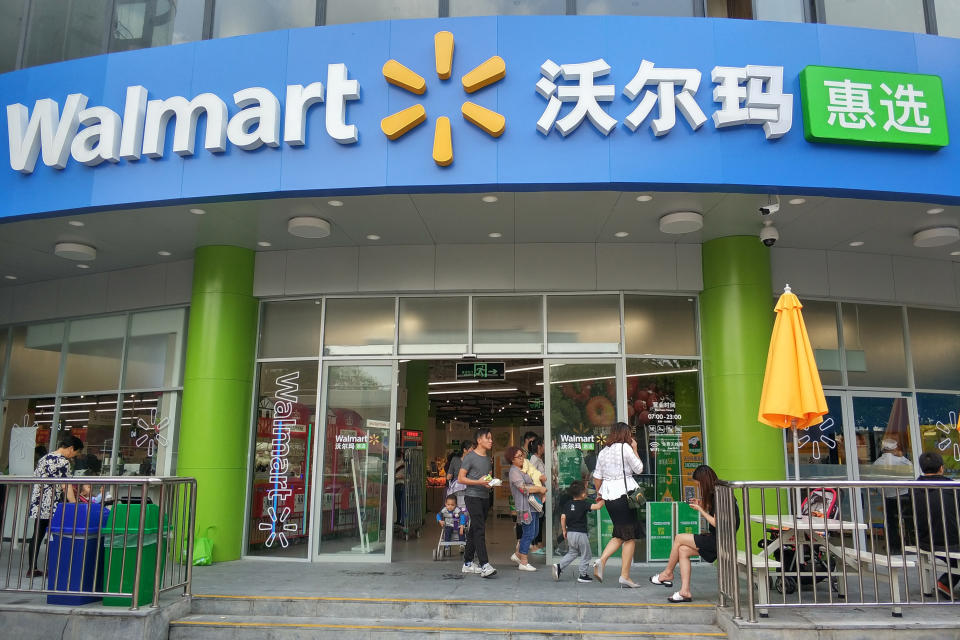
(937,517)
(573,524)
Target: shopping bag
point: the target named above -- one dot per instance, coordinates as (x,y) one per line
(203,550)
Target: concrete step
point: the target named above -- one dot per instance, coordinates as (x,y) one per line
(505,612)
(237,627)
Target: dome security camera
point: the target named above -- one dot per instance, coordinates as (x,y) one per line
(769,234)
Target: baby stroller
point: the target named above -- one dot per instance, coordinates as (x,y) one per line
(810,565)
(443,549)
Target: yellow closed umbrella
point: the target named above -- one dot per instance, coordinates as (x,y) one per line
(792,394)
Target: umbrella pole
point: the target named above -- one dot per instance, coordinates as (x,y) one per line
(796,468)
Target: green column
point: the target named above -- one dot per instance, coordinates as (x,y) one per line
(418,408)
(217,388)
(736,318)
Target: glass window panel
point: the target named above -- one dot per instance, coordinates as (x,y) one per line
(154,23)
(948,17)
(583,324)
(507,324)
(820,318)
(94,351)
(147,433)
(660,324)
(507,7)
(155,350)
(35,359)
(636,7)
(357,442)
(897,15)
(12,15)
(360,326)
(63,30)
(85,33)
(433,325)
(778,10)
(286,418)
(820,448)
(935,348)
(3,351)
(291,329)
(873,341)
(92,418)
(46,33)
(938,428)
(239,17)
(25,434)
(345,11)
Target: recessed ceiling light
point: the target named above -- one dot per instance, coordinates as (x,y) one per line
(198,212)
(622,234)
(953,253)
(797,200)
(936,237)
(489,199)
(644,198)
(335,203)
(163,253)
(308,227)
(372,236)
(76,223)
(681,222)
(83,266)
(74,251)
(856,243)
(264,243)
(9,277)
(494,234)
(935,210)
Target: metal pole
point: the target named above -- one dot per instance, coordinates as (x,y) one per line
(191,523)
(134,602)
(748,548)
(161,543)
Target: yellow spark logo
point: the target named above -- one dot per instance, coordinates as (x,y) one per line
(486,73)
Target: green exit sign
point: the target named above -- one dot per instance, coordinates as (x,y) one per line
(883,108)
(480,371)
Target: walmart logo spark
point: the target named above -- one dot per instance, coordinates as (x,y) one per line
(486,73)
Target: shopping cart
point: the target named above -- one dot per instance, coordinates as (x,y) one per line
(444,548)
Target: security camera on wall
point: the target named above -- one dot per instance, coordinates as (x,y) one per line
(769,234)
(771,207)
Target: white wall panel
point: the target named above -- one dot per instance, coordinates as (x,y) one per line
(332,270)
(860,276)
(689,267)
(556,267)
(924,281)
(268,273)
(136,288)
(35,301)
(646,267)
(475,267)
(85,295)
(399,268)
(179,282)
(805,270)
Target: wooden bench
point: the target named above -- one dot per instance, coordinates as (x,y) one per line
(930,563)
(763,569)
(860,558)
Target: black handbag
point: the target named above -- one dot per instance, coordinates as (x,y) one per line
(635,498)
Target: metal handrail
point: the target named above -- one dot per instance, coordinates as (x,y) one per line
(176,502)
(882,544)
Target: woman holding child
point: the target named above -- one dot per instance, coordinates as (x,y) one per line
(521,487)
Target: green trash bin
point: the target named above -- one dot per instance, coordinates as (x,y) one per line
(120,550)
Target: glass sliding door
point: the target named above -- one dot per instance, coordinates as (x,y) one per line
(355,511)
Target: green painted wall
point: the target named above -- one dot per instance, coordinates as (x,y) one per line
(418,407)
(736,319)
(217,389)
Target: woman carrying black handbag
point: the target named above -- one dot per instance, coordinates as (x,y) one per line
(617,463)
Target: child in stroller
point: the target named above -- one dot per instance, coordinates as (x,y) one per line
(819,503)
(453,524)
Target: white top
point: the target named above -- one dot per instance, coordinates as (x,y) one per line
(612,470)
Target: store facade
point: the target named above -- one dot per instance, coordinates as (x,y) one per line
(383,147)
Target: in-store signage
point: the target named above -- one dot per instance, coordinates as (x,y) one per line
(536,404)
(480,371)
(883,108)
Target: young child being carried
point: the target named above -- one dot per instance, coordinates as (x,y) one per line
(573,524)
(452,517)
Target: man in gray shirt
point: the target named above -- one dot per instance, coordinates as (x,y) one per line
(475,474)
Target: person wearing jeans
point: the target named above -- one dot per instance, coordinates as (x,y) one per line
(521,487)
(475,474)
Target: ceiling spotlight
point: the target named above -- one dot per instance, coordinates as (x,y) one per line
(489,199)
(644,198)
(74,251)
(935,210)
(494,234)
(308,227)
(681,222)
(621,234)
(856,243)
(797,200)
(953,253)
(163,253)
(936,237)
(10,277)
(264,243)
(198,212)
(83,266)
(335,203)
(76,223)
(372,236)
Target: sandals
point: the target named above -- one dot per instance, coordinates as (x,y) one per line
(676,597)
(655,579)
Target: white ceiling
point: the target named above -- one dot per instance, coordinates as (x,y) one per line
(131,238)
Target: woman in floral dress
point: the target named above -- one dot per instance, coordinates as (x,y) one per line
(45,497)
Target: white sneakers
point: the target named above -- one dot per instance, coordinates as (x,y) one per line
(487,571)
(469,567)
(526,567)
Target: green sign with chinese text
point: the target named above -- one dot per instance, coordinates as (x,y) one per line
(884,108)
(480,371)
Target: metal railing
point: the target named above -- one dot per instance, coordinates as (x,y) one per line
(849,544)
(90,553)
